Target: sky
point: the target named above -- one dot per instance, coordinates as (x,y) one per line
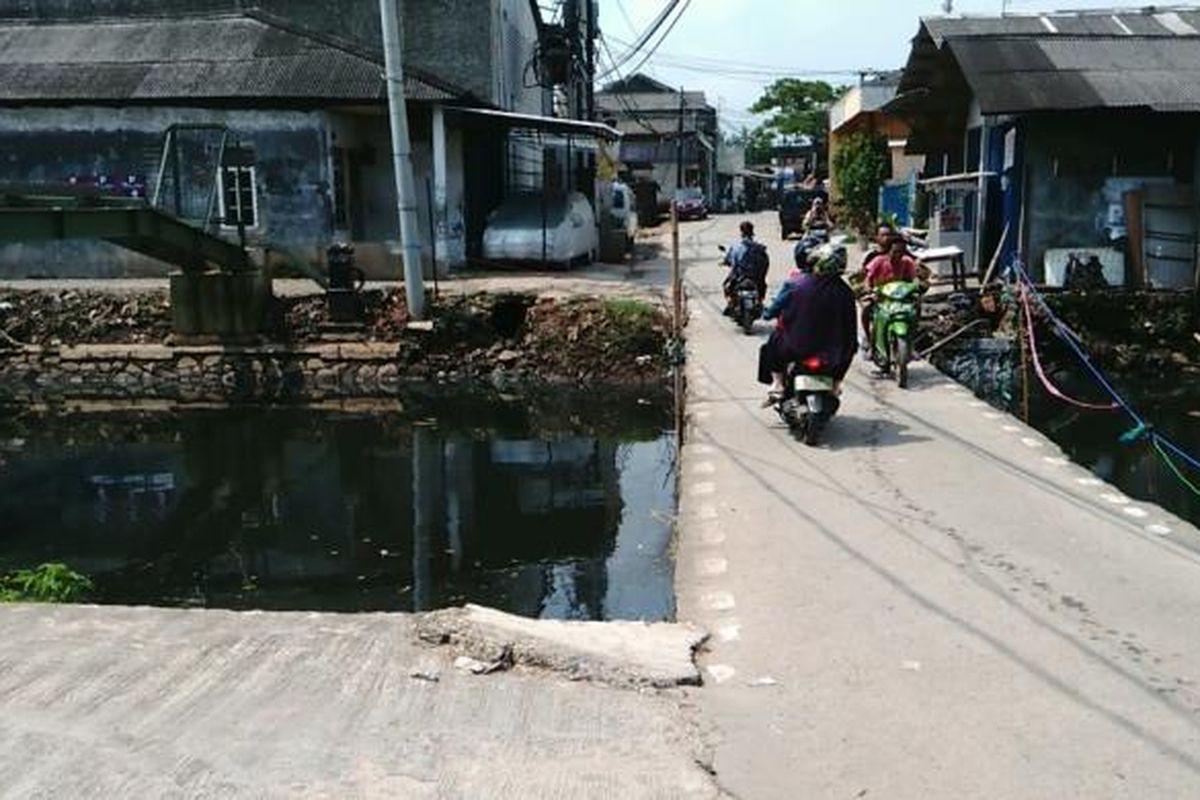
(827,39)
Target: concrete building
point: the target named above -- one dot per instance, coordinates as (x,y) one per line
(649,114)
(861,110)
(1048,136)
(88,90)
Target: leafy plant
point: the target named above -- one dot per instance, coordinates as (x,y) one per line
(47,583)
(861,166)
(629,313)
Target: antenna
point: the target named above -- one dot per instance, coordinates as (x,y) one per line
(947,6)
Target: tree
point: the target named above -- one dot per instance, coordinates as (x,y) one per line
(861,166)
(797,107)
(758,144)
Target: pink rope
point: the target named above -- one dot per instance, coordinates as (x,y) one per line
(1050,388)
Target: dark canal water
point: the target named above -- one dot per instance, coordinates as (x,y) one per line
(1093,439)
(270,509)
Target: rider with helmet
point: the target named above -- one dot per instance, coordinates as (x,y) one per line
(816,319)
(747,258)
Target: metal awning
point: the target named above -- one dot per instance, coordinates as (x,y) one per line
(511,119)
(967,179)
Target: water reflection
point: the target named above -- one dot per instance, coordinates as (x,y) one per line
(285,510)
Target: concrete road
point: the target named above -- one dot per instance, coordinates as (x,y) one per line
(152,703)
(935,604)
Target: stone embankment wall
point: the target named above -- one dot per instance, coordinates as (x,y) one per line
(204,374)
(989,367)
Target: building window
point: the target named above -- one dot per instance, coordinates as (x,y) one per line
(239,197)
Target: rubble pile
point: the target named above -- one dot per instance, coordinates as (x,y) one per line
(1134,332)
(76,316)
(505,338)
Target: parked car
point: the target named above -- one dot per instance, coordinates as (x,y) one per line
(550,228)
(690,203)
(624,212)
(793,205)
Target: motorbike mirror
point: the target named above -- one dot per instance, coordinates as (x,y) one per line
(721,247)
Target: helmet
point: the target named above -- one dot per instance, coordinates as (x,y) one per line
(828,259)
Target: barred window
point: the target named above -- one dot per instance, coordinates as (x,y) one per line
(239,197)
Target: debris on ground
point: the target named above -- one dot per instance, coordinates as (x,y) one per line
(501,337)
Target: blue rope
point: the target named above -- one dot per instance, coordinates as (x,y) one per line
(1142,429)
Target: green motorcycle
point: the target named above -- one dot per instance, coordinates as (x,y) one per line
(895,323)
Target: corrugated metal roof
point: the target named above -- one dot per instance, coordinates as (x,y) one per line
(237,57)
(1149,21)
(1021,73)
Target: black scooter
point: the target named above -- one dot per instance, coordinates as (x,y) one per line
(809,400)
(747,304)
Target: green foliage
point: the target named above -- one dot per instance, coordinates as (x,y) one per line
(861,166)
(48,583)
(758,144)
(628,313)
(797,107)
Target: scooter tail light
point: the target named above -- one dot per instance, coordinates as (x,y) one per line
(812,363)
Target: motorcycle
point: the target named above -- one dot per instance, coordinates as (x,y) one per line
(809,400)
(747,304)
(893,326)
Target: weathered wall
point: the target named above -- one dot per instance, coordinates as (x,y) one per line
(55,147)
(200,374)
(1069,157)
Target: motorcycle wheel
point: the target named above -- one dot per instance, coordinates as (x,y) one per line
(747,322)
(903,356)
(814,424)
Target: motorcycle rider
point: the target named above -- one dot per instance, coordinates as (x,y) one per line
(818,217)
(747,258)
(893,265)
(816,318)
(879,246)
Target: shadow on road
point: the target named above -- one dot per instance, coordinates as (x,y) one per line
(846,431)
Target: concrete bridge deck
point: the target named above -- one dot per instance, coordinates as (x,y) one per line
(936,604)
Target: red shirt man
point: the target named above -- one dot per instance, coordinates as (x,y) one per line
(895,266)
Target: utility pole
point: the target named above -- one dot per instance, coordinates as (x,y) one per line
(679,142)
(592,31)
(406,193)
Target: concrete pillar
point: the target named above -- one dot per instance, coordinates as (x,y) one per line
(440,210)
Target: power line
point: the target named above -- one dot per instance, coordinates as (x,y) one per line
(646,36)
(663,38)
(620,96)
(725,66)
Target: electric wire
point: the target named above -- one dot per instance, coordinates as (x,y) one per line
(642,40)
(1143,429)
(650,53)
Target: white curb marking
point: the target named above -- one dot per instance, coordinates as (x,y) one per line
(721,672)
(703,489)
(1158,530)
(719,601)
(1135,512)
(711,567)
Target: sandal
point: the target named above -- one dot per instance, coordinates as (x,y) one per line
(773,398)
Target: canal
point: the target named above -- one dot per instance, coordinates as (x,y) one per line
(548,515)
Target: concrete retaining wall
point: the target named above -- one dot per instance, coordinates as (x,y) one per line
(201,374)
